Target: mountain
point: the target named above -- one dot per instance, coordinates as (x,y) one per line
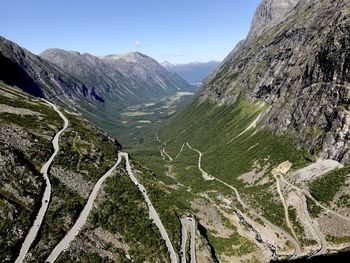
(129,79)
(38,77)
(148,72)
(267,139)
(268,14)
(194,72)
(299,69)
(118,228)
(99,88)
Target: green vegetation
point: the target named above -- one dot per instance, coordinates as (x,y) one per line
(168,202)
(63,211)
(338,240)
(344,201)
(298,227)
(326,187)
(230,150)
(85,145)
(234,245)
(20,180)
(312,207)
(214,130)
(126,213)
(84,150)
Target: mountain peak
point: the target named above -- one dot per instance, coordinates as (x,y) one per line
(268,14)
(131,57)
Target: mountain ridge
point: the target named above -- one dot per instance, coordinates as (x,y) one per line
(270,70)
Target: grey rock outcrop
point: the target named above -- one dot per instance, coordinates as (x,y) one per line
(270,13)
(21,68)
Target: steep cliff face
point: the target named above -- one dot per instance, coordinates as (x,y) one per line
(270,13)
(36,76)
(301,68)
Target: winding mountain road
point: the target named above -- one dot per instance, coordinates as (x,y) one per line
(307,193)
(295,244)
(167,155)
(205,175)
(47,193)
(178,154)
(74,231)
(285,207)
(188,221)
(317,231)
(152,212)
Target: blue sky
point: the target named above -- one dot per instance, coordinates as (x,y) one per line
(178,31)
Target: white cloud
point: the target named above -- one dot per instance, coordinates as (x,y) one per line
(137,43)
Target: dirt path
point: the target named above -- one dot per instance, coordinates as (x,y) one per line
(205,175)
(47,193)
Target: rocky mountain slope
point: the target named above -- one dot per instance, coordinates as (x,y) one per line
(300,69)
(194,72)
(118,229)
(252,141)
(38,77)
(268,14)
(128,79)
(99,88)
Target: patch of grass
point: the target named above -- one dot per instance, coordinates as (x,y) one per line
(234,245)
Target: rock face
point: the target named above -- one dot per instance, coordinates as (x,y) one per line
(270,13)
(38,77)
(301,68)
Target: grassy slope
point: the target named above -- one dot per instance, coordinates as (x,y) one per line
(212,129)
